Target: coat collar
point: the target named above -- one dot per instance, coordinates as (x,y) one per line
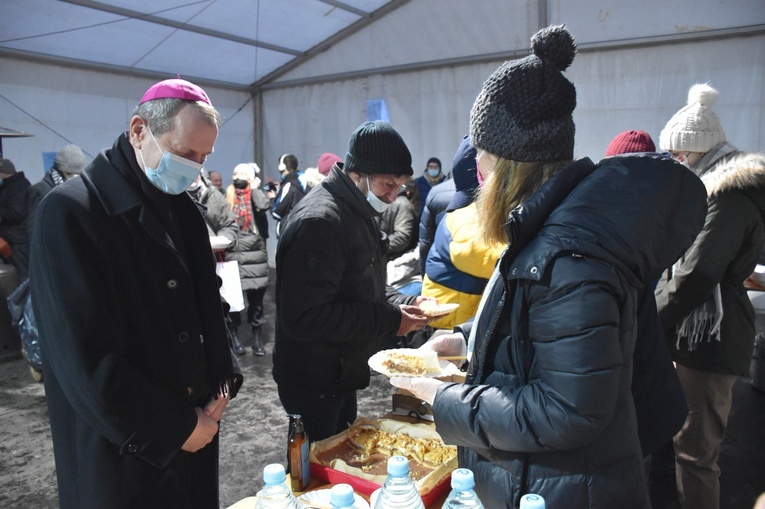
(340,184)
(115,178)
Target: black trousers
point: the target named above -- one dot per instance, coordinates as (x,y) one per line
(323,415)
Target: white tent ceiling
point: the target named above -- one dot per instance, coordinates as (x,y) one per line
(230,43)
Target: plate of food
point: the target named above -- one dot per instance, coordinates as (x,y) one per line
(432,308)
(321,498)
(410,362)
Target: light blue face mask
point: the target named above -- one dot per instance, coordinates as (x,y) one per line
(174,174)
(376,203)
(433,173)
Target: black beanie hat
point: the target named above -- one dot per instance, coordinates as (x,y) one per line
(376,147)
(524,111)
(434,160)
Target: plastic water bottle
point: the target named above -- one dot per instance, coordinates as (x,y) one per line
(532,501)
(276,494)
(399,492)
(341,497)
(462,494)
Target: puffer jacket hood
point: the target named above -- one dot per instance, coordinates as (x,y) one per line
(591,219)
(744,172)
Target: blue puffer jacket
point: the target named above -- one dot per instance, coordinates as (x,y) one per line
(547,407)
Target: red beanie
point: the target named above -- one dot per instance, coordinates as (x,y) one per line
(326,162)
(630,142)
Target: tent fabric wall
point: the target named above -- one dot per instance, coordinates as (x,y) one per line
(617,90)
(60,105)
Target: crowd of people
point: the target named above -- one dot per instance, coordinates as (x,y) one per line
(602,308)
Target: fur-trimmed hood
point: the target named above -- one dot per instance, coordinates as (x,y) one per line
(743,171)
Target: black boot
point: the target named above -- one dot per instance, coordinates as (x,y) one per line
(257,344)
(238,346)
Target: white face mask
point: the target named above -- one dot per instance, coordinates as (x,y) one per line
(376,203)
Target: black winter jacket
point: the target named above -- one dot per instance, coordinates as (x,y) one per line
(331,304)
(547,407)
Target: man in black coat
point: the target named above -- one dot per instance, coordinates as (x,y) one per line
(332,308)
(138,369)
(13,215)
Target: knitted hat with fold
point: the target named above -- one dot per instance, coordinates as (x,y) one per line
(630,142)
(695,128)
(524,111)
(70,159)
(376,147)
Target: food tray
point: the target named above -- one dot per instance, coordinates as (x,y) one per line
(367,487)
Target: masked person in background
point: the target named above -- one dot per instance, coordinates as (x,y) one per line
(430,178)
(546,407)
(702,302)
(249,205)
(138,370)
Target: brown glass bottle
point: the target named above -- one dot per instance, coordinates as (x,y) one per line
(298,461)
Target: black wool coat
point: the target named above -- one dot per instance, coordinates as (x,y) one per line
(131,326)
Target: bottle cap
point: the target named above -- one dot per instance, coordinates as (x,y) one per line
(341,495)
(462,479)
(532,501)
(398,466)
(274,474)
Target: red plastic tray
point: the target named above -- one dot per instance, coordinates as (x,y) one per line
(367,487)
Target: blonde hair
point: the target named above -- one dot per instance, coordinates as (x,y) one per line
(508,185)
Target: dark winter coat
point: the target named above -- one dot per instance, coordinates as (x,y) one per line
(13,220)
(725,252)
(547,407)
(35,194)
(249,247)
(399,223)
(433,211)
(331,305)
(290,193)
(133,339)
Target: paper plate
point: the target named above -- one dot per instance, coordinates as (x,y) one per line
(432,366)
(321,497)
(433,309)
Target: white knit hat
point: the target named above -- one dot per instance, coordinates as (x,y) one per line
(244,171)
(695,128)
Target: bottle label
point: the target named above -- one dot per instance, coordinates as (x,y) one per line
(304,453)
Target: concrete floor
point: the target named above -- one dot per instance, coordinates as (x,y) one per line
(254,432)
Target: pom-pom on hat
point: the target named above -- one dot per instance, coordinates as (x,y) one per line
(524,110)
(695,128)
(175,88)
(70,159)
(630,142)
(465,176)
(327,161)
(376,147)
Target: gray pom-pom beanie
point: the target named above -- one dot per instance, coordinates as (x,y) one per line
(524,110)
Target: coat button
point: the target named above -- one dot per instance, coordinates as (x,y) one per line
(133,448)
(172,284)
(183,337)
(515,270)
(534,270)
(190,391)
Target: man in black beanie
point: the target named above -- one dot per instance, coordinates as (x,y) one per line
(333,310)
